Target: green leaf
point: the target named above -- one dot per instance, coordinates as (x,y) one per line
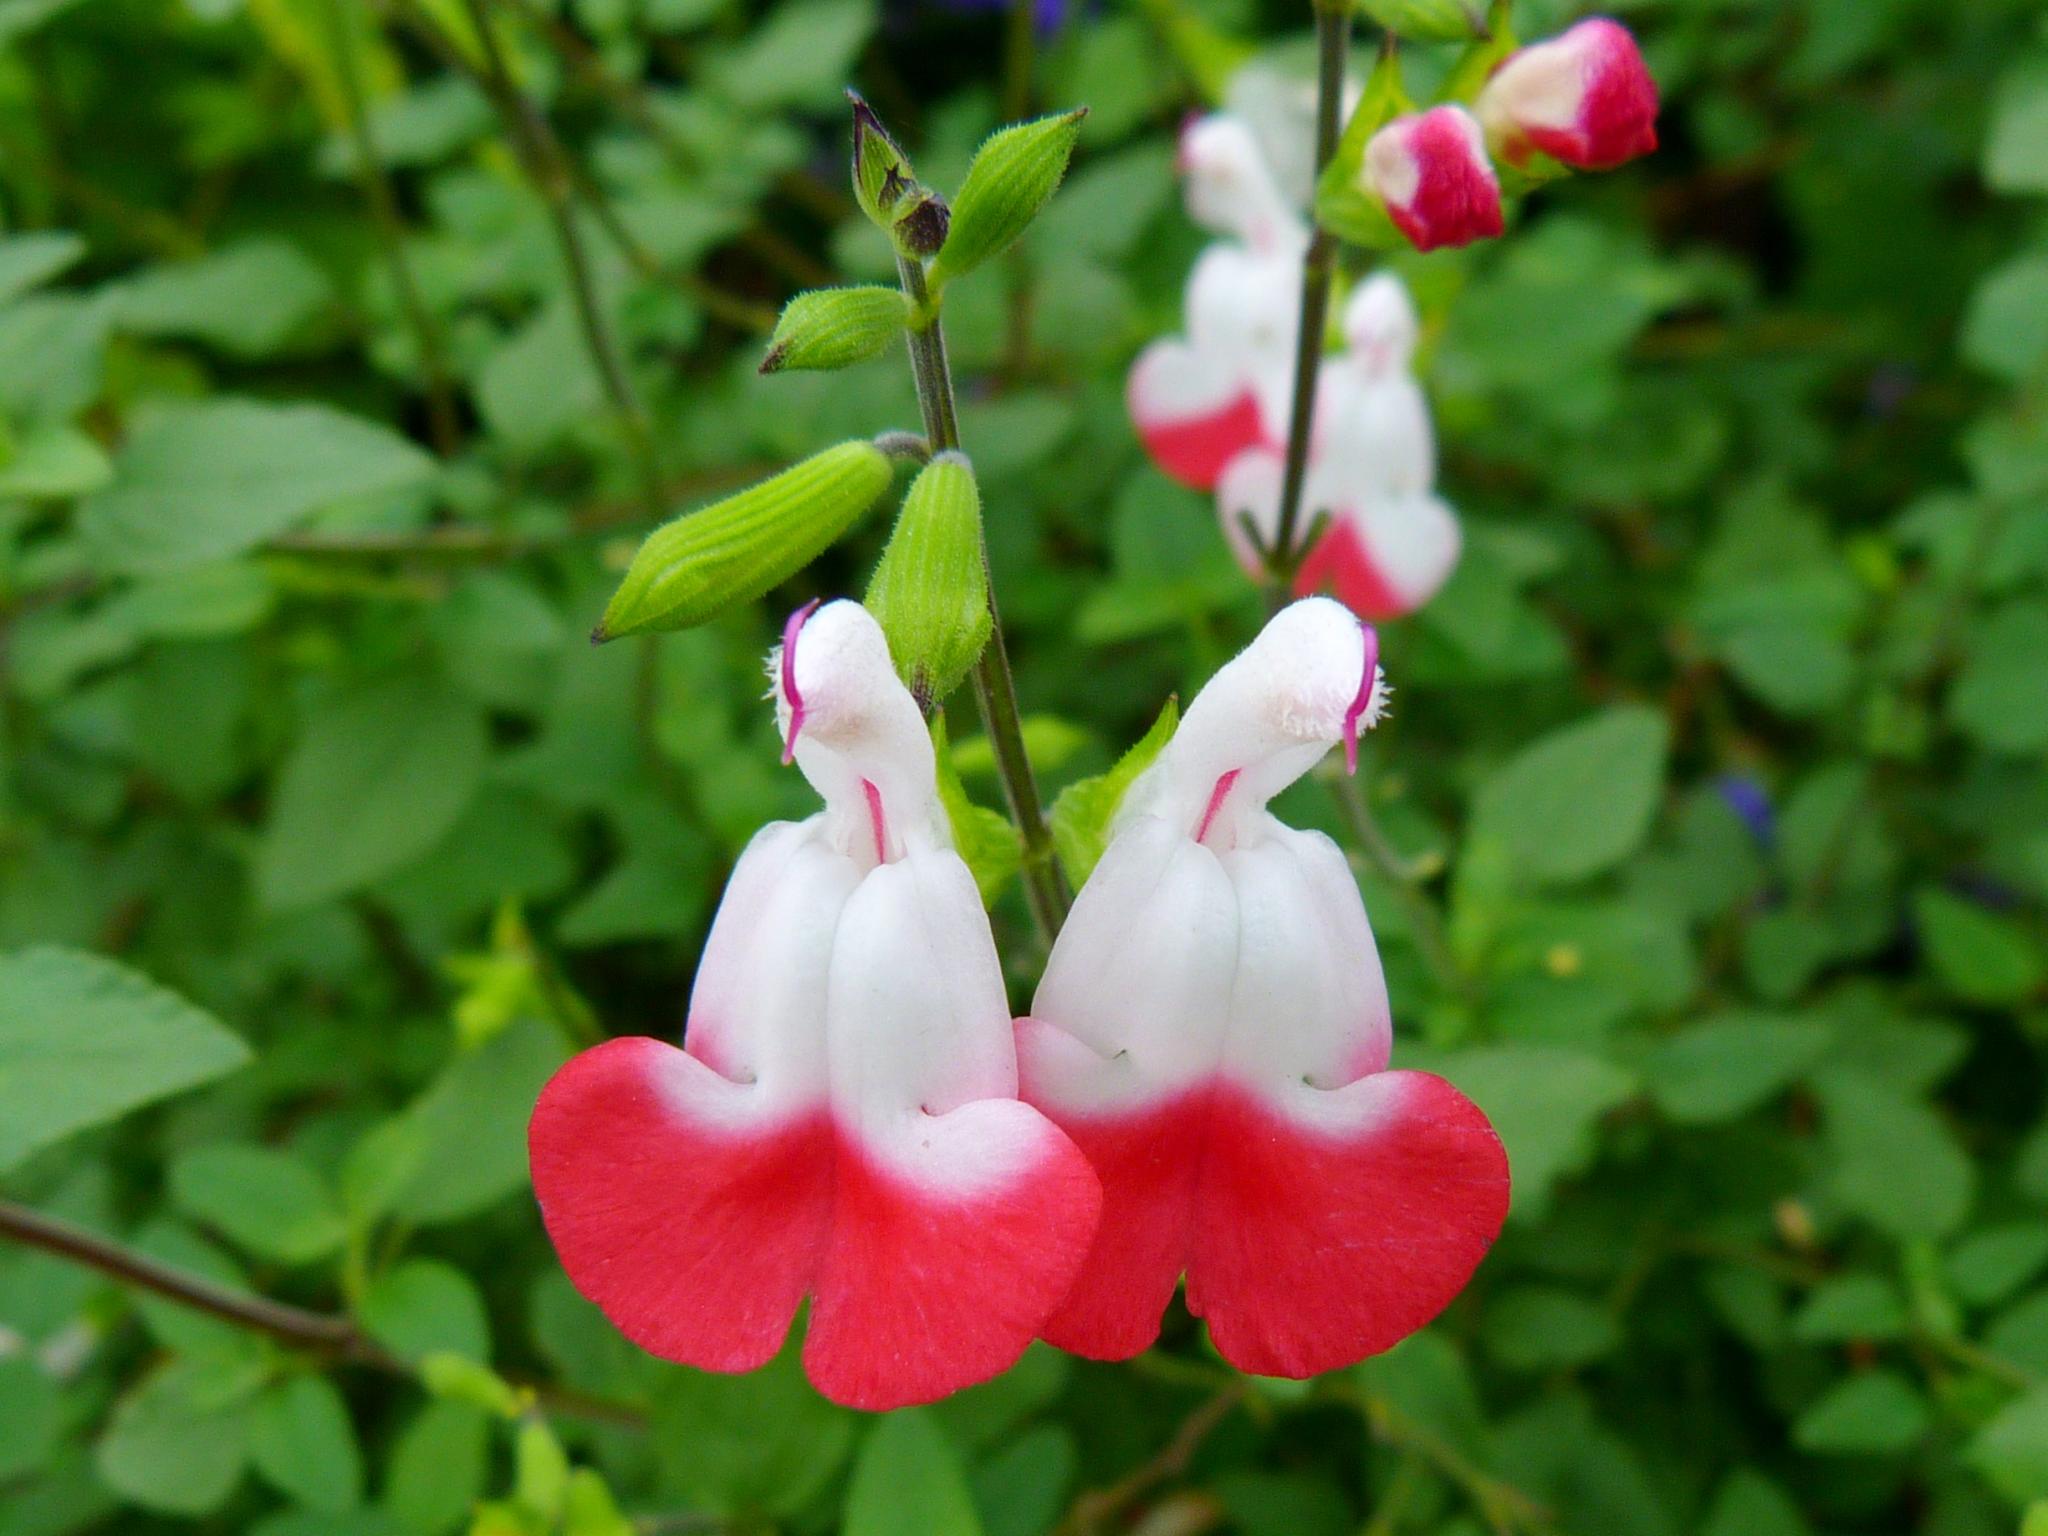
(437,1468)
(30,1407)
(2012,1450)
(1990,1265)
(2001,695)
(83,1040)
(1895,1164)
(304,1444)
(1853,1306)
(1014,174)
(1542,1327)
(247,299)
(827,328)
(1982,957)
(201,482)
(1725,1067)
(30,260)
(1750,1504)
(1875,1413)
(1545,1104)
(1082,814)
(799,56)
(471,1124)
(1023,1486)
(1580,800)
(177,1443)
(2016,154)
(2006,330)
(764,1441)
(375,780)
(424,1307)
(267,1201)
(55,461)
(907,1481)
(930,590)
(734,550)
(985,839)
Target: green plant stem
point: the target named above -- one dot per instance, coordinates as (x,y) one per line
(1425,922)
(376,185)
(995,688)
(1318,269)
(548,169)
(319,1333)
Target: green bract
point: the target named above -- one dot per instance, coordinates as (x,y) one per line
(1011,178)
(1428,21)
(734,550)
(930,591)
(827,328)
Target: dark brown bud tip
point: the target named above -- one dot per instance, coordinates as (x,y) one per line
(772,363)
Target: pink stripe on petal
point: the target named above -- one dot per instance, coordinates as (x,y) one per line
(790,631)
(1360,704)
(1216,798)
(877,821)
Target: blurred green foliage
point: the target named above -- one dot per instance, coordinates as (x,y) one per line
(1715,788)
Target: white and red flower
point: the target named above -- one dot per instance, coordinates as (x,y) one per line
(1389,542)
(1213,1032)
(1430,171)
(1202,398)
(842,1120)
(1584,98)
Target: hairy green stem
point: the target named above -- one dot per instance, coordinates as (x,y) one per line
(1318,269)
(995,688)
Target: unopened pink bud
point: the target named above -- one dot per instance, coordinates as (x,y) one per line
(1584,98)
(1430,170)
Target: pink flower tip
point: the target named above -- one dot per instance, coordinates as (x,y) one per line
(1431,172)
(1584,98)
(790,693)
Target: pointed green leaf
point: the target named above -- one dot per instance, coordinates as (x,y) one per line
(83,1040)
(835,328)
(733,551)
(1013,176)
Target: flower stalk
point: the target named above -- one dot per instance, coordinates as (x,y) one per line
(1318,270)
(995,689)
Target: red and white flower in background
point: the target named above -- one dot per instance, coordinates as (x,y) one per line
(1389,541)
(1584,98)
(1430,170)
(842,1121)
(1202,398)
(1213,1031)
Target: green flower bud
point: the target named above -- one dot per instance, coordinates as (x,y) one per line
(835,328)
(733,551)
(462,1380)
(930,592)
(881,171)
(1013,176)
(540,1469)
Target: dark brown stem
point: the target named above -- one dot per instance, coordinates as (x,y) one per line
(1097,1509)
(319,1333)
